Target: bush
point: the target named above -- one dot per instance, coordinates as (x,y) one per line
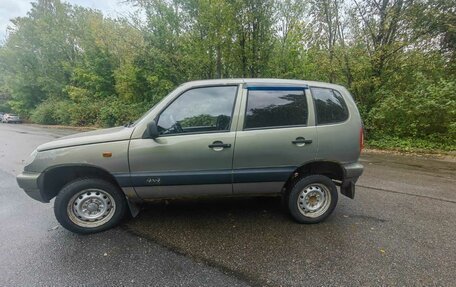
(118,112)
(85,113)
(409,144)
(52,113)
(426,112)
(106,113)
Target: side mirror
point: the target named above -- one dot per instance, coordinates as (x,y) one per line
(152,130)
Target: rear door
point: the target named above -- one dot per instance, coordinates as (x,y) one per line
(276,134)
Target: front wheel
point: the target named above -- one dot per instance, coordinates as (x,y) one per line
(312,199)
(89,205)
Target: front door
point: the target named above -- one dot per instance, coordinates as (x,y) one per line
(193,154)
(276,134)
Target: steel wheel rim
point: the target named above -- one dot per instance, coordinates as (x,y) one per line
(91,208)
(314,200)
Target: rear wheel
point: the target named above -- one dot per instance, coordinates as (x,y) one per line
(312,199)
(89,205)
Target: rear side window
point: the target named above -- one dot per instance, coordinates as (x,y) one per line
(275,108)
(329,105)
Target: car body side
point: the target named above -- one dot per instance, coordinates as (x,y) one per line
(335,152)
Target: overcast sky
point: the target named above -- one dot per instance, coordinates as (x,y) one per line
(15,8)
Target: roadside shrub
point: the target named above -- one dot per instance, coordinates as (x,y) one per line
(86,112)
(409,144)
(426,112)
(52,113)
(118,112)
(106,113)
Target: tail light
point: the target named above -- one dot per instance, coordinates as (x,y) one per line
(361,139)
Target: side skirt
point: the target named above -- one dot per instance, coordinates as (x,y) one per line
(249,181)
(180,191)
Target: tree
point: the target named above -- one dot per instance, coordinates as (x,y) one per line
(72,65)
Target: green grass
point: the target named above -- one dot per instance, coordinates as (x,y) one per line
(410,145)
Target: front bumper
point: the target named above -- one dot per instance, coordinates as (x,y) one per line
(352,172)
(30,182)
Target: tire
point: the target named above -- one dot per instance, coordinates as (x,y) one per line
(312,199)
(89,205)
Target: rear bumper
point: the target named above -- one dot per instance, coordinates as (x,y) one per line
(352,172)
(31,182)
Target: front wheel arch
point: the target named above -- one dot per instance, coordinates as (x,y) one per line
(55,178)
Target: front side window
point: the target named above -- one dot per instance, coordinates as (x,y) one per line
(329,105)
(275,108)
(207,109)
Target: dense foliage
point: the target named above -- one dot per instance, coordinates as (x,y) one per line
(64,64)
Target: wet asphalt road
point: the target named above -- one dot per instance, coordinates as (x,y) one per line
(36,251)
(399,231)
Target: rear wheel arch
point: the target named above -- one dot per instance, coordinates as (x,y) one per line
(333,170)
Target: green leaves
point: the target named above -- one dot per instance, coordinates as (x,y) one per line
(64,64)
(427,111)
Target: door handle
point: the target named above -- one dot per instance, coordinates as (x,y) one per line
(219,145)
(301,141)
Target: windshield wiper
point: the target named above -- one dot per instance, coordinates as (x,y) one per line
(127,125)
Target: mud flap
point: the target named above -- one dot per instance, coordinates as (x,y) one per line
(348,189)
(133,208)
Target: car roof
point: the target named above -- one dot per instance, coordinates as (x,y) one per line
(260,81)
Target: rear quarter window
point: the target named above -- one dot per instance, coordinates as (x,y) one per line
(330,106)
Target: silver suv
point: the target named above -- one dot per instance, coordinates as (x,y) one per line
(237,137)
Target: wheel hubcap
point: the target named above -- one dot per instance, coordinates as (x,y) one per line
(314,200)
(91,208)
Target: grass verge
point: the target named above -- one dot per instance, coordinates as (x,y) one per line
(408,145)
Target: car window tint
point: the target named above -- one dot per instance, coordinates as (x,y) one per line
(329,105)
(274,108)
(206,109)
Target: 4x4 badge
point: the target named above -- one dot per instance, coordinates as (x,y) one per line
(152,180)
